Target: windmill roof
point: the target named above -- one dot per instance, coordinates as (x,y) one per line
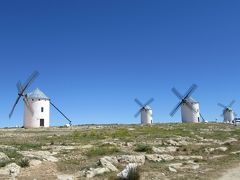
(37,94)
(148,107)
(191,100)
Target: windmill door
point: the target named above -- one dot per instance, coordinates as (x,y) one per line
(42,122)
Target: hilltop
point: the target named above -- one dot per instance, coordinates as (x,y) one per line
(161,151)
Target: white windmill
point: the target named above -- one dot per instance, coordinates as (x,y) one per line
(145,111)
(228,112)
(36,105)
(37,111)
(189,107)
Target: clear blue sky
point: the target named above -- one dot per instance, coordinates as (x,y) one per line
(95,57)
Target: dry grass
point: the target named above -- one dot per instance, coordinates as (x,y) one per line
(141,137)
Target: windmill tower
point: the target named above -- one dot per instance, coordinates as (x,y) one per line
(145,111)
(189,107)
(36,105)
(228,112)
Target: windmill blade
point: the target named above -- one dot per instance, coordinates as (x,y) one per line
(190,91)
(138,102)
(13,108)
(22,88)
(29,81)
(175,109)
(175,91)
(19,87)
(70,122)
(137,114)
(148,102)
(232,103)
(221,105)
(28,105)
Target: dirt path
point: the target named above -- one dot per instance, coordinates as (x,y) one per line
(231,174)
(46,170)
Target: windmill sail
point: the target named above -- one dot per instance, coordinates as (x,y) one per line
(22,89)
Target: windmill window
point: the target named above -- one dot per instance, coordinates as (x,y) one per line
(32,99)
(42,109)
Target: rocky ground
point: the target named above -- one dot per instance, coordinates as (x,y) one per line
(163,151)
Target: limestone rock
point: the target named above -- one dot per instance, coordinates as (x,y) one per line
(229,141)
(172,169)
(127,159)
(188,157)
(235,152)
(175,166)
(159,158)
(111,159)
(65,177)
(171,142)
(11,169)
(3,157)
(209,150)
(176,142)
(44,155)
(106,164)
(223,149)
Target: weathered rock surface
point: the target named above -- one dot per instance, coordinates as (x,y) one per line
(159,158)
(127,159)
(178,142)
(111,159)
(235,152)
(172,169)
(229,141)
(11,169)
(44,155)
(176,165)
(65,177)
(209,150)
(3,157)
(223,149)
(188,157)
(107,164)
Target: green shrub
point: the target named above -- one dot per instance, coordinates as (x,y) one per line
(143,148)
(27,146)
(3,163)
(23,162)
(12,153)
(122,134)
(85,137)
(103,150)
